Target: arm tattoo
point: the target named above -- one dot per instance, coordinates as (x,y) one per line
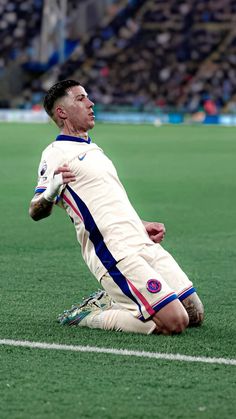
(40,208)
(194,308)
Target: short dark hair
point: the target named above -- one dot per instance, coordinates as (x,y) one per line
(55,92)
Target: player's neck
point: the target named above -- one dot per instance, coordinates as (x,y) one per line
(75,133)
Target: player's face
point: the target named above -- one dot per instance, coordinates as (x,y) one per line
(78,109)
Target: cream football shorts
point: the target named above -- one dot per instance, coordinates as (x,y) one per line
(146,281)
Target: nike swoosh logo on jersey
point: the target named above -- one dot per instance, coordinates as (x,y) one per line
(82,157)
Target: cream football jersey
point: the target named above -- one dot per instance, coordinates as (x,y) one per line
(107,226)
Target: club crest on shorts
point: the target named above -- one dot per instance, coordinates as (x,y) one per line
(153,285)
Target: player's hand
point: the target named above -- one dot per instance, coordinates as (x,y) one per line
(66,174)
(62,176)
(156,231)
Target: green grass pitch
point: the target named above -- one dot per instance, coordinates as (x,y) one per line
(182,176)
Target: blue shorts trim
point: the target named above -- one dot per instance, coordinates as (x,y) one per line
(187,293)
(161,304)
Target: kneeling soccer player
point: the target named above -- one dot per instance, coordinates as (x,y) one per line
(145,289)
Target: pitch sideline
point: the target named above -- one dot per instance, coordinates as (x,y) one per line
(113,351)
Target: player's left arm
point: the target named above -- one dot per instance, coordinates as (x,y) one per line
(155,230)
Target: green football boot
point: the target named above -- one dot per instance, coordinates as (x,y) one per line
(98,301)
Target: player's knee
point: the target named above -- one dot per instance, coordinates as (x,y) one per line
(179,323)
(175,321)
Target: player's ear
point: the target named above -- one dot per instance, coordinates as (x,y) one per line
(60,112)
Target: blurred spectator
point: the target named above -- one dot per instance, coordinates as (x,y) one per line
(175,54)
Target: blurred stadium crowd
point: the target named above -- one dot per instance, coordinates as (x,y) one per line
(175,54)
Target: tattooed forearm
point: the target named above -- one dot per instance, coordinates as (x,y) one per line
(194,308)
(40,208)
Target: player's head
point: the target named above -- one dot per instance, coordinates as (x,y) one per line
(67,103)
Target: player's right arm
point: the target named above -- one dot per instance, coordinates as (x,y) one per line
(39,207)
(42,203)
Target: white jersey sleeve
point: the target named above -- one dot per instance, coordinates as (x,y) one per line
(52,158)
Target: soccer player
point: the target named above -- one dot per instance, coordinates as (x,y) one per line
(144,289)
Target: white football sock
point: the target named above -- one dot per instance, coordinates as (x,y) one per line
(118,320)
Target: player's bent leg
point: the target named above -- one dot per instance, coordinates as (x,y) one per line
(194,308)
(99,312)
(173,318)
(123,321)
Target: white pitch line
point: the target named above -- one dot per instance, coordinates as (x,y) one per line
(113,351)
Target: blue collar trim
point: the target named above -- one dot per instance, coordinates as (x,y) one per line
(71,138)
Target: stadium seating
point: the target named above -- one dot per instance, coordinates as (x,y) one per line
(171,55)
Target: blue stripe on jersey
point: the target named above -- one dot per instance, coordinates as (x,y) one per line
(96,237)
(120,280)
(187,293)
(40,190)
(101,249)
(72,138)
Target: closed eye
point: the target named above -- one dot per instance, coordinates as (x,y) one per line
(80,97)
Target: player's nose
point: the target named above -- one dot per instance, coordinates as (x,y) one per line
(90,103)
